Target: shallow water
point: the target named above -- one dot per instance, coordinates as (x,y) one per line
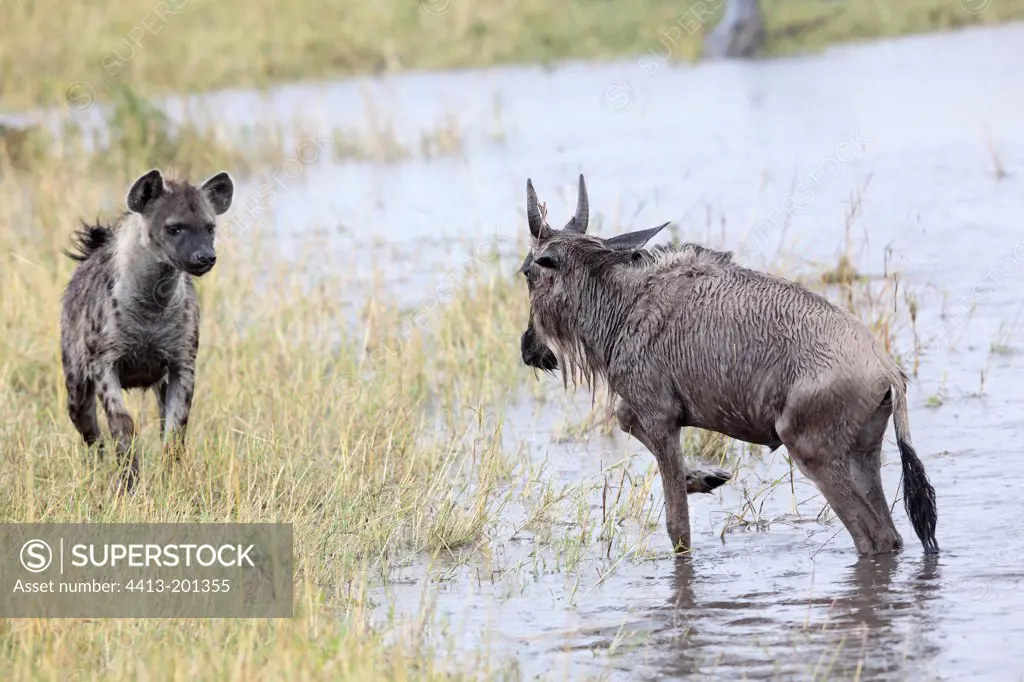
(720,149)
(790,601)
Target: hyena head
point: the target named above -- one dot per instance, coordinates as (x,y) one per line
(543,263)
(179,219)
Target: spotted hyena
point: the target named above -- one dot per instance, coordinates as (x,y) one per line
(130,315)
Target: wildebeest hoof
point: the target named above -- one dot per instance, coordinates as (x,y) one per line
(705,480)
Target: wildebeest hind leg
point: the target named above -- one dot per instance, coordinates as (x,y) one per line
(866,471)
(812,430)
(836,484)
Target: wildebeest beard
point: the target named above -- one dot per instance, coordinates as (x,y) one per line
(536,353)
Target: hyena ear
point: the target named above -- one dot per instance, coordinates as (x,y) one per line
(145,189)
(219,189)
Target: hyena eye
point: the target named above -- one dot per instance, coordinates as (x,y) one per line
(174,228)
(209,228)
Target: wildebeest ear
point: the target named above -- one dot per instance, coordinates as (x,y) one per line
(144,190)
(547,259)
(578,223)
(633,240)
(219,190)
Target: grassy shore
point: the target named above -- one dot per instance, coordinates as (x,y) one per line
(51,49)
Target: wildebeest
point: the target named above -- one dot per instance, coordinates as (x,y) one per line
(536,354)
(686,337)
(130,314)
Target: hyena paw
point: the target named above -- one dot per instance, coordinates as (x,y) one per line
(125,482)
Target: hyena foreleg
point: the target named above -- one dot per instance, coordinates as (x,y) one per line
(177,405)
(82,405)
(122,428)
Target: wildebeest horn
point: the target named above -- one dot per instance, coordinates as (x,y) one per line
(633,240)
(533,210)
(582,217)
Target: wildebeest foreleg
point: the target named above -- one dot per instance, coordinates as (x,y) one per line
(697,480)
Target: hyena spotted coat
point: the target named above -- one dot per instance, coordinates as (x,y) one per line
(130,314)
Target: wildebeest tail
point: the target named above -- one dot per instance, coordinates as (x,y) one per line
(87,241)
(918,493)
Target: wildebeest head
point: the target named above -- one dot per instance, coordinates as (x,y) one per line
(180,218)
(541,264)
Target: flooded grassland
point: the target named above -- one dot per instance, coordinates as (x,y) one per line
(454,514)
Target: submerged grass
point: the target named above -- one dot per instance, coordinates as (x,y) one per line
(133,132)
(52,51)
(136,133)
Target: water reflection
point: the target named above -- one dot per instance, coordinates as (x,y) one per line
(879,625)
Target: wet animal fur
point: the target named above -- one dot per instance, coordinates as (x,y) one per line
(685,338)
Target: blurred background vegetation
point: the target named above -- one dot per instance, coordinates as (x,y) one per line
(196,45)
